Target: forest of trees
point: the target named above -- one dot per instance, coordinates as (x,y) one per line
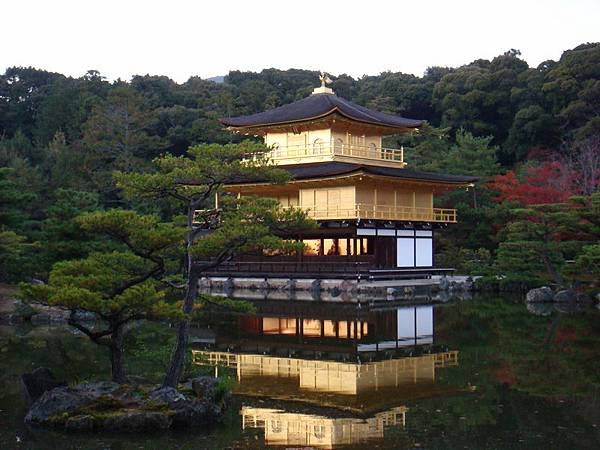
(531,133)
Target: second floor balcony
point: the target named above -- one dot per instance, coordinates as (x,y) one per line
(382,212)
(321,150)
(366,211)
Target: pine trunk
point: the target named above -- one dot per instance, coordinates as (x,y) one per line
(117,356)
(177,363)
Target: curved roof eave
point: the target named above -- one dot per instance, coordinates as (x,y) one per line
(314,171)
(315,107)
(333,111)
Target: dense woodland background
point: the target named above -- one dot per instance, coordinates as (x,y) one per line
(531,133)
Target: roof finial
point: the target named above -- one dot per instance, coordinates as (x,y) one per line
(324,79)
(323,89)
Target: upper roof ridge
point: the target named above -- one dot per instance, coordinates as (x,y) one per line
(319,105)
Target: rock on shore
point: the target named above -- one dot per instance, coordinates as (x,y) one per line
(539,295)
(37,382)
(110,406)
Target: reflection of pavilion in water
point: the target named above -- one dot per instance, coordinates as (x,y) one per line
(289,328)
(288,428)
(364,363)
(285,377)
(400,327)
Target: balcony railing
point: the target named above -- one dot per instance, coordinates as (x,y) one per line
(373,212)
(329,149)
(382,212)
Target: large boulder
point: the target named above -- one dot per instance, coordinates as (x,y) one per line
(97,389)
(37,382)
(565,295)
(540,295)
(63,399)
(55,403)
(166,396)
(82,422)
(137,420)
(188,411)
(109,406)
(205,387)
(122,420)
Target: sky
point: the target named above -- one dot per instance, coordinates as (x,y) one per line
(177,38)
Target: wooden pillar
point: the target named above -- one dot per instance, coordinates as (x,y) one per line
(375,202)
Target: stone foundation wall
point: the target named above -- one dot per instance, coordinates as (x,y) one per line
(438,289)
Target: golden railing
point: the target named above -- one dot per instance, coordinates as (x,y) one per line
(332,148)
(373,212)
(381,212)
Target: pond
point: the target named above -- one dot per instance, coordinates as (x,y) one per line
(482,373)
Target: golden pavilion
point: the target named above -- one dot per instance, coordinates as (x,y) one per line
(376,216)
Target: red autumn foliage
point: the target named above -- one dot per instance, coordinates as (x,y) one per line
(551,182)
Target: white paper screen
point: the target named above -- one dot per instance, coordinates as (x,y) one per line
(405,250)
(424,252)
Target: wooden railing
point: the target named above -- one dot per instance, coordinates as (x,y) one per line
(323,149)
(344,266)
(382,212)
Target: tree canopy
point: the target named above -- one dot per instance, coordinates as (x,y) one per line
(117,286)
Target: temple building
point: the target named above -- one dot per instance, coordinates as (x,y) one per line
(375,215)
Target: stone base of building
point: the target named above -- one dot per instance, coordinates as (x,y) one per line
(435,288)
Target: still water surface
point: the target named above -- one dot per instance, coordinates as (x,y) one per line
(481,374)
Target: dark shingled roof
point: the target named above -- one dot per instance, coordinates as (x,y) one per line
(328,169)
(316,106)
